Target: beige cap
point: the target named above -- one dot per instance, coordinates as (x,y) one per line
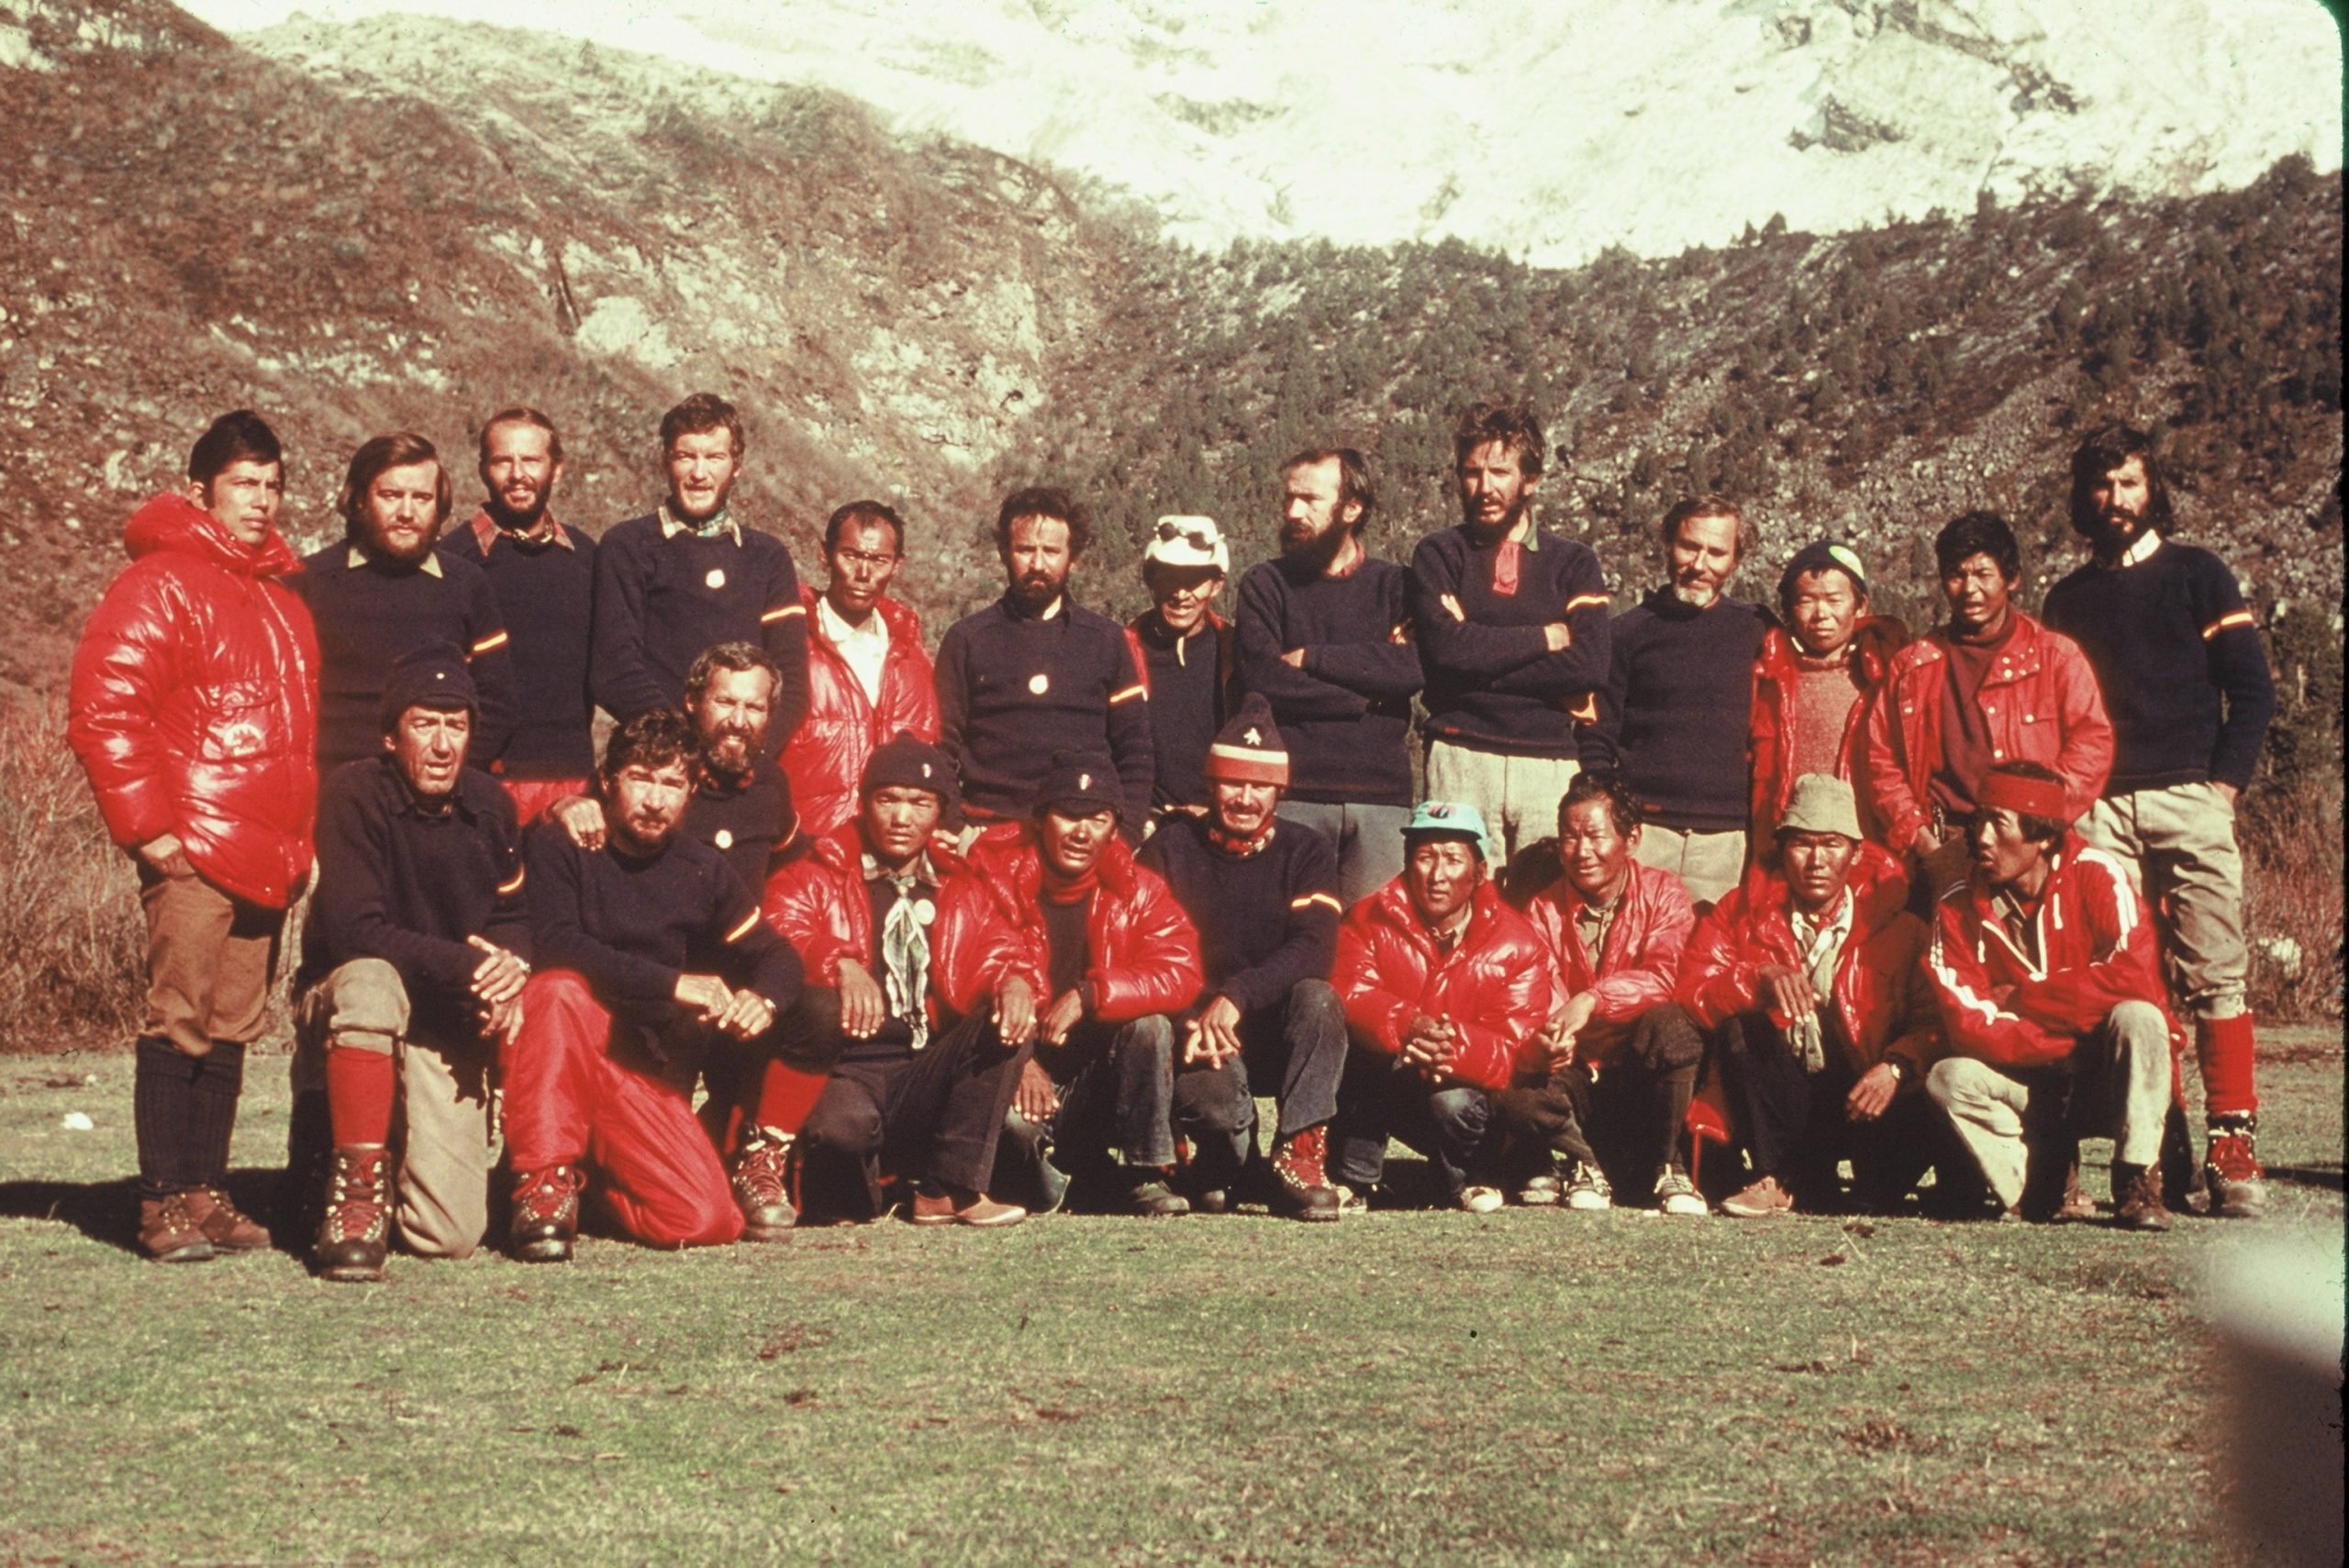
(1821,803)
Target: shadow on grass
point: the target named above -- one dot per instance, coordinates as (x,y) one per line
(109,1211)
(2321,1177)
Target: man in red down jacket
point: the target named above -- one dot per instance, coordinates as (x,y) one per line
(868,677)
(1817,673)
(1806,979)
(2049,978)
(1444,988)
(194,713)
(1119,962)
(925,992)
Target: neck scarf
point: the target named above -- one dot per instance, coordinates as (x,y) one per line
(905,945)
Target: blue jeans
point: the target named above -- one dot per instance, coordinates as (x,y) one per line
(1298,1051)
(1381,1098)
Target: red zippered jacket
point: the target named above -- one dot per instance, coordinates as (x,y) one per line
(1144,955)
(816,900)
(2043,704)
(1770,778)
(1496,989)
(1636,968)
(826,755)
(2096,950)
(1881,994)
(195,701)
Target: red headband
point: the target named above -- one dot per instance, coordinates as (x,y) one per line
(2024,797)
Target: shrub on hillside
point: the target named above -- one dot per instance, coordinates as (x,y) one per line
(2292,867)
(72,947)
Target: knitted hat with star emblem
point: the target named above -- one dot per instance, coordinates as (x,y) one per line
(1079,784)
(909,762)
(1249,749)
(433,676)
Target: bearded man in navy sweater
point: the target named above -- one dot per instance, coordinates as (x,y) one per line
(691,575)
(1512,628)
(2184,678)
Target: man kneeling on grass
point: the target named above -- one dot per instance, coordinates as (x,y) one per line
(923,989)
(638,940)
(1119,960)
(414,961)
(2049,981)
(1444,988)
(1806,979)
(1618,1061)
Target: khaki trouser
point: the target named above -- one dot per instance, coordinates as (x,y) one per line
(210,959)
(1708,865)
(2119,1087)
(444,1123)
(2178,846)
(1518,796)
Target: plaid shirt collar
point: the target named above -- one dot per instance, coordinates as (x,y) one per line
(549,531)
(673,525)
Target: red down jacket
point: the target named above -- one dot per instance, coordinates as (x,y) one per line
(1496,988)
(1144,954)
(1637,964)
(816,900)
(1881,992)
(1768,740)
(826,755)
(195,701)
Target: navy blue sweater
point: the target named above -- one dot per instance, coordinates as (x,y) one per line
(1266,920)
(1189,682)
(407,882)
(2178,656)
(1014,690)
(1492,684)
(543,591)
(370,613)
(1346,714)
(1674,714)
(660,601)
(746,823)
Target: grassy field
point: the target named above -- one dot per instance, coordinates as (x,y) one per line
(1405,1388)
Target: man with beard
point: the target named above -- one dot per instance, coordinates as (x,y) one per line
(652,957)
(1673,717)
(194,707)
(1035,675)
(690,576)
(1325,637)
(381,592)
(1444,988)
(1993,685)
(2177,656)
(1119,962)
(1183,652)
(1817,673)
(868,676)
(926,994)
(1512,628)
(1263,895)
(542,577)
(413,959)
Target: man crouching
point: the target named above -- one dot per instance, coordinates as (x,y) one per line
(923,986)
(414,961)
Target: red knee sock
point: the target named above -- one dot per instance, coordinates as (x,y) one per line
(2226,1048)
(359,1095)
(786,1095)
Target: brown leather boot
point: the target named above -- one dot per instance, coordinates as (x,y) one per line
(227,1226)
(546,1213)
(170,1232)
(356,1232)
(762,1186)
(1301,1186)
(2137,1199)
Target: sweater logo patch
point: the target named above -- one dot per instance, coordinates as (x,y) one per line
(723,837)
(1040,683)
(715,577)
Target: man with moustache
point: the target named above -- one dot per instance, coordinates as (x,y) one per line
(652,957)
(1993,685)
(1512,627)
(414,958)
(2178,658)
(1817,671)
(868,676)
(1035,675)
(1674,715)
(194,711)
(1325,637)
(1263,895)
(1183,652)
(382,593)
(542,577)
(690,576)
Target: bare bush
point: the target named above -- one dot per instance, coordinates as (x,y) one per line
(72,947)
(2292,867)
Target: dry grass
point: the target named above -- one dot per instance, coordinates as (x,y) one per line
(72,949)
(2292,866)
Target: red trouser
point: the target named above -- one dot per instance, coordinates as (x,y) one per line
(566,1098)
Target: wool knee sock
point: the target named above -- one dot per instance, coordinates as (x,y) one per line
(786,1096)
(161,1113)
(360,1083)
(219,1081)
(2228,1048)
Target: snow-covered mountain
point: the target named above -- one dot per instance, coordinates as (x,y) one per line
(1547,128)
